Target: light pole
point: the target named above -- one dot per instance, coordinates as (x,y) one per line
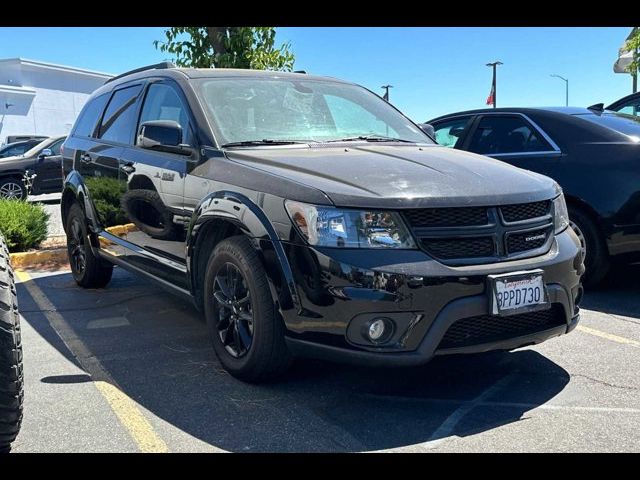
(566,82)
(494,84)
(386,91)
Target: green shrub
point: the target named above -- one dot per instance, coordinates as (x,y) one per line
(106,193)
(24,225)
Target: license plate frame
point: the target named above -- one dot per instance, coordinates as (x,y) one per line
(492,290)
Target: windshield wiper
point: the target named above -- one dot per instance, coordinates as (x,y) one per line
(371,138)
(265,141)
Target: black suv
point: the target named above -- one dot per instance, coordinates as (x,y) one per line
(306,216)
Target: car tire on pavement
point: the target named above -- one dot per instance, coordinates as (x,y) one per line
(245,328)
(597,257)
(88,270)
(11,373)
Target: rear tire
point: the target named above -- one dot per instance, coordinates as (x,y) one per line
(597,257)
(12,188)
(11,373)
(88,270)
(261,353)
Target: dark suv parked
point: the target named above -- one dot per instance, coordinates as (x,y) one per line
(307,216)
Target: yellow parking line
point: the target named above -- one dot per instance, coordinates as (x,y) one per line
(122,405)
(608,336)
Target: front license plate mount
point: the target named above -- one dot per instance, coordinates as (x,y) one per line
(517,292)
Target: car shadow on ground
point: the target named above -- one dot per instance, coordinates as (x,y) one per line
(619,293)
(155,347)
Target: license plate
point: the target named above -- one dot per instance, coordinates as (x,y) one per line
(518,292)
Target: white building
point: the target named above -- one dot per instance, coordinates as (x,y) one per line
(39,98)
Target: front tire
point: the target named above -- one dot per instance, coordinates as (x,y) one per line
(88,270)
(246,331)
(594,248)
(11,373)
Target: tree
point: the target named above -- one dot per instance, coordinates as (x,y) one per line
(633,45)
(226,47)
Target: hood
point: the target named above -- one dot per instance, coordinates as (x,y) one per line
(388,176)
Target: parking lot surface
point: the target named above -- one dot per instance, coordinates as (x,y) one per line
(129,368)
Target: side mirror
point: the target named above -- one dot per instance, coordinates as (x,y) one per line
(46,152)
(428,129)
(162,135)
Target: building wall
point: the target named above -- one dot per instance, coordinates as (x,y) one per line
(59,97)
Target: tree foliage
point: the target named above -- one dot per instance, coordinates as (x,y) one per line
(226,47)
(633,45)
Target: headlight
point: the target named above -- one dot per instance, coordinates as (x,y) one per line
(332,227)
(560,214)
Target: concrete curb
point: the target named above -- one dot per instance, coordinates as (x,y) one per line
(57,256)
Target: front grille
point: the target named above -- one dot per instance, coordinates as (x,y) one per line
(525,211)
(450,248)
(521,242)
(446,217)
(467,235)
(490,328)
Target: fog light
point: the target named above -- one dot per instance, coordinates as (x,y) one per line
(379,330)
(376,329)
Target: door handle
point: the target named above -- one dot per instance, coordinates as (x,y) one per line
(128,168)
(85,158)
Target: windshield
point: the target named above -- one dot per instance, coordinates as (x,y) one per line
(626,124)
(281,109)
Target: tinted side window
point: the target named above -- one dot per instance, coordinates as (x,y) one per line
(118,121)
(163,103)
(17,150)
(55,148)
(631,108)
(89,116)
(448,132)
(506,134)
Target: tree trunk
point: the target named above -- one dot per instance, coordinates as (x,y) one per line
(216,38)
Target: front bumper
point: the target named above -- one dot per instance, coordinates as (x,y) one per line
(338,290)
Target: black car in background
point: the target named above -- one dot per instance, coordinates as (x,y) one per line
(17,148)
(593,154)
(43,159)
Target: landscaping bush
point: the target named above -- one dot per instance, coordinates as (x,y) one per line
(106,193)
(24,225)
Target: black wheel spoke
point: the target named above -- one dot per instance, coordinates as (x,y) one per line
(221,298)
(237,342)
(244,335)
(243,301)
(224,286)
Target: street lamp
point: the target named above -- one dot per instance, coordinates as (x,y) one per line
(493,95)
(566,81)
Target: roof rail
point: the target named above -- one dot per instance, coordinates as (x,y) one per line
(159,66)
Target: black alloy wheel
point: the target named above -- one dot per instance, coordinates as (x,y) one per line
(235,317)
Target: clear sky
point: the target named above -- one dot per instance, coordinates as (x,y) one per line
(434,70)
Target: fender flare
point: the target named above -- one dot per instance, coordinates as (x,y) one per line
(74,189)
(250,218)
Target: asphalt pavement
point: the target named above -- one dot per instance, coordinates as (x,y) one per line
(129,368)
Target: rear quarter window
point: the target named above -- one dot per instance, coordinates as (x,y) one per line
(88,118)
